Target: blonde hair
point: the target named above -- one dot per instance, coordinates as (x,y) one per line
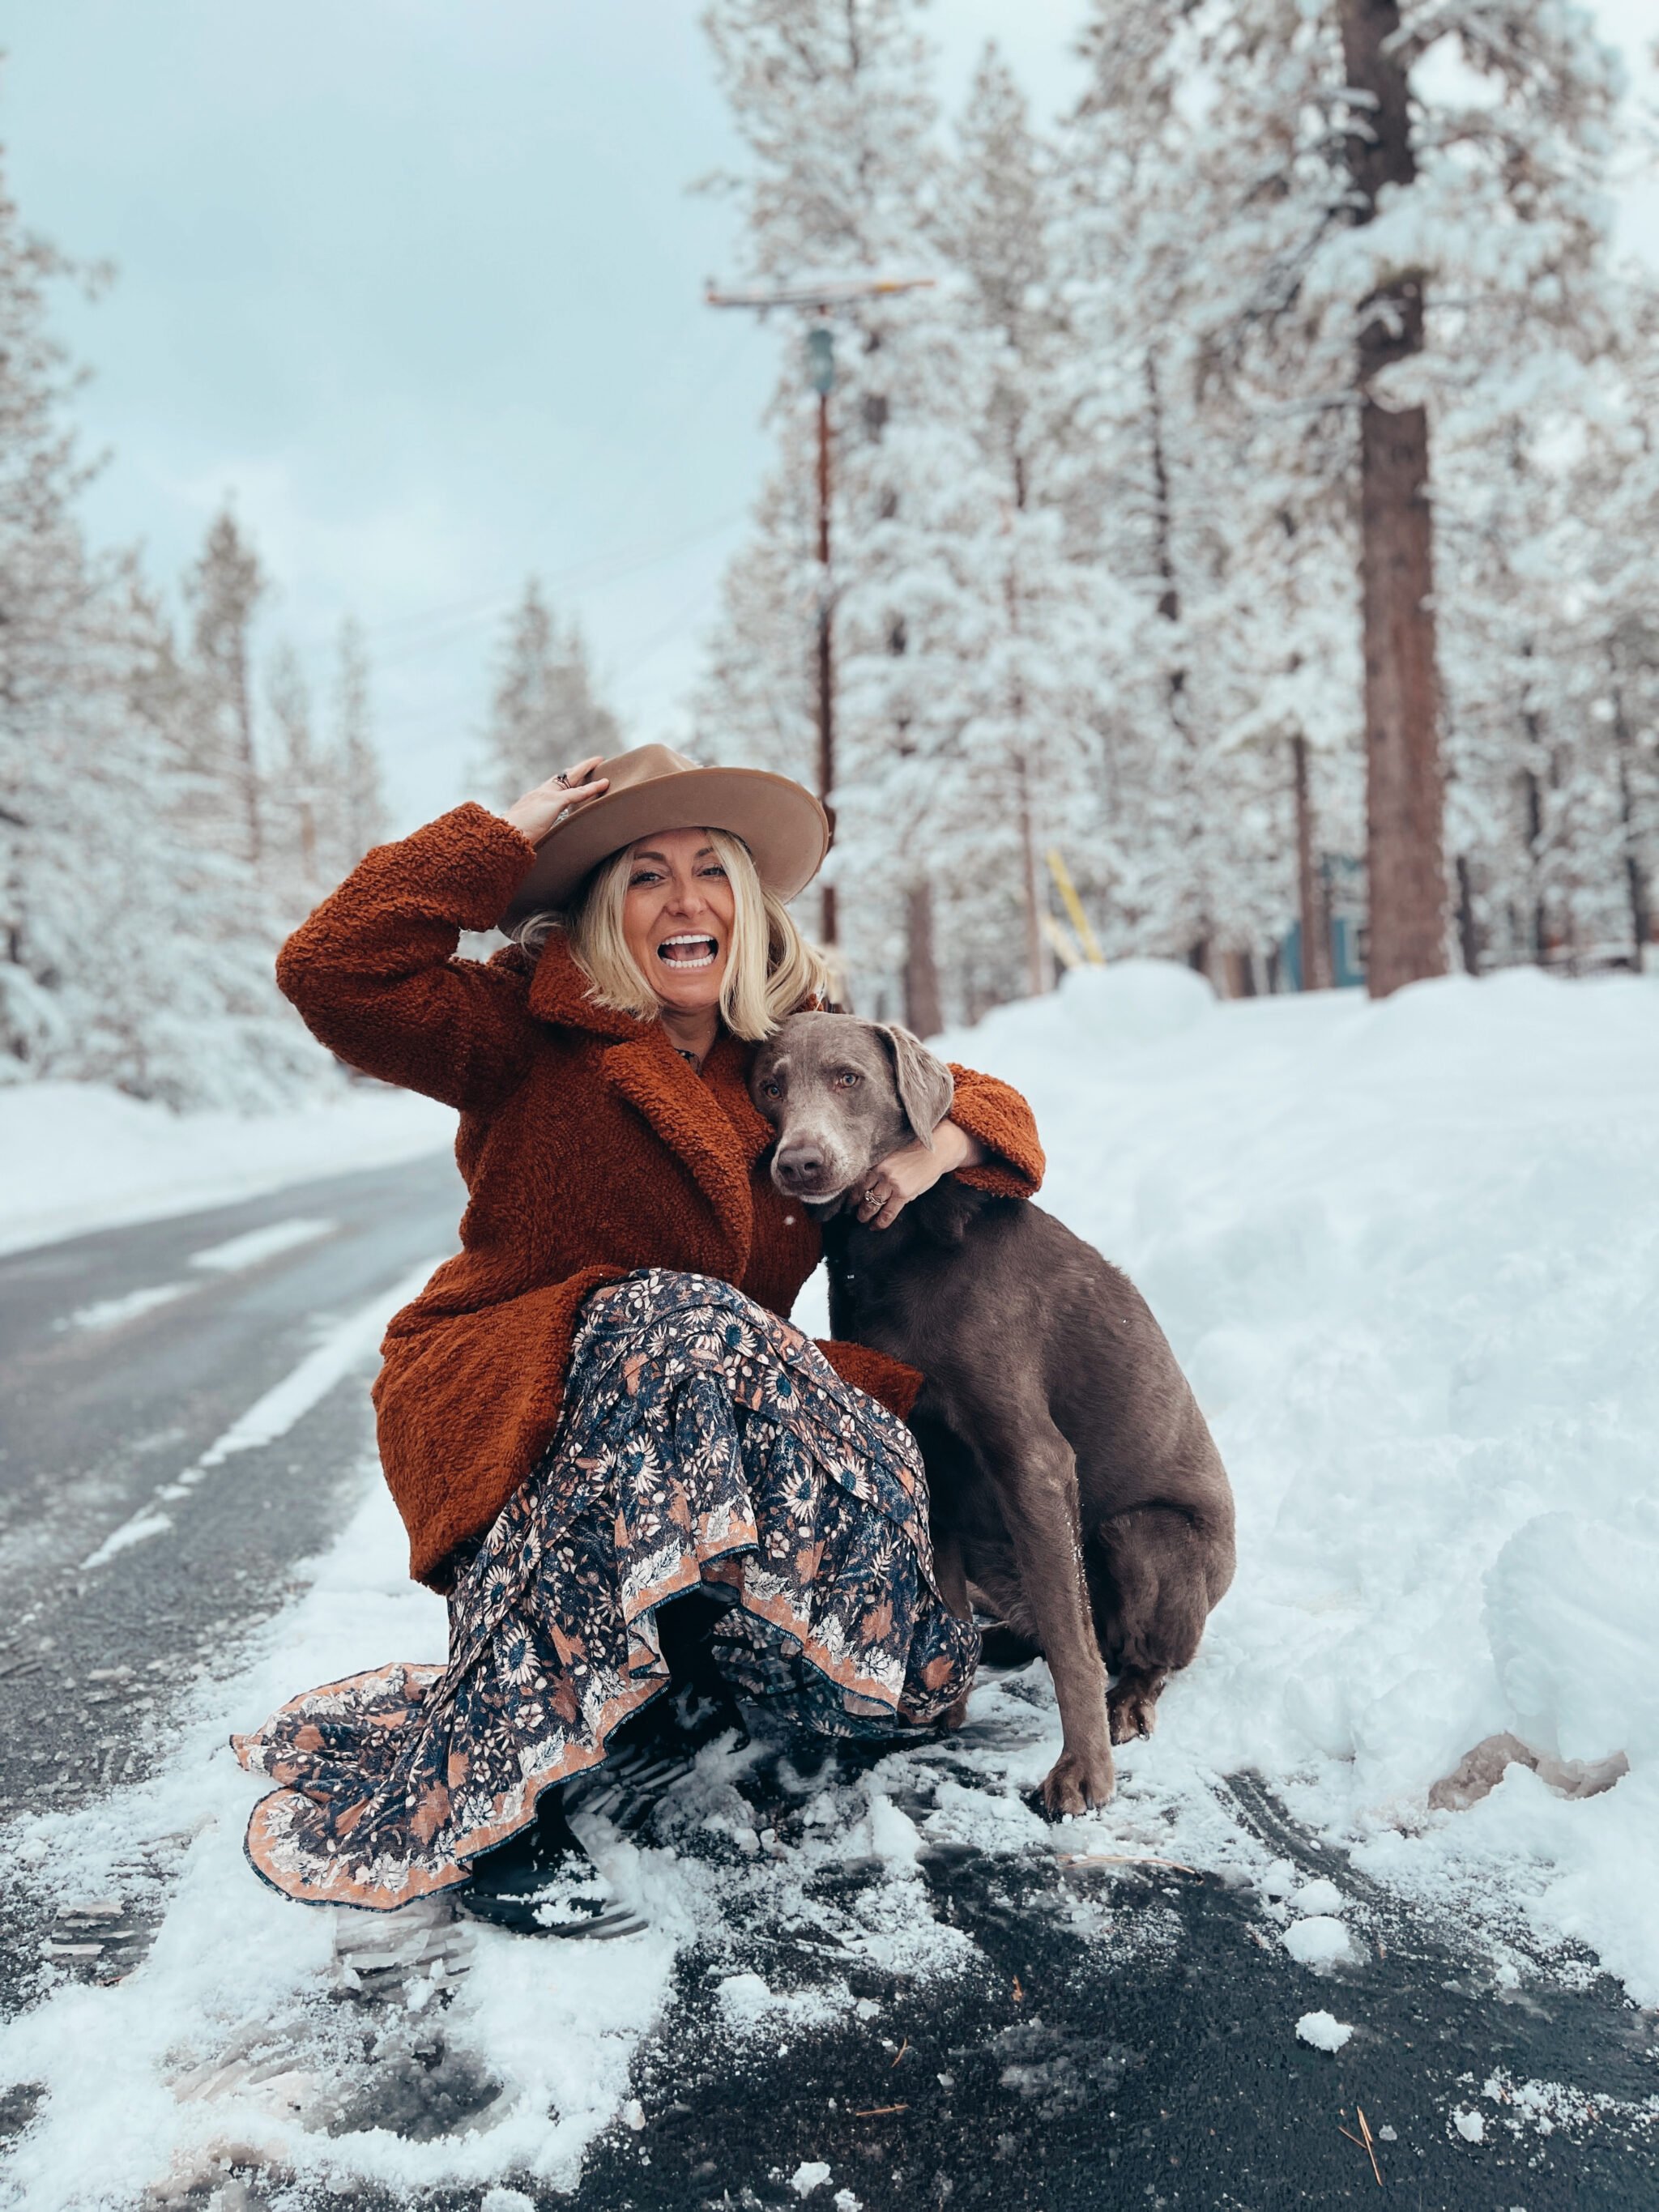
(770,966)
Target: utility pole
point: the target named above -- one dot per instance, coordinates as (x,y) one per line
(820,301)
(821,370)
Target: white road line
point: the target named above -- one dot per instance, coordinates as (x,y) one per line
(110,1313)
(276,1412)
(259,1244)
(227,1259)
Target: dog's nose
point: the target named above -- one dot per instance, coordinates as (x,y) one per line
(801,1164)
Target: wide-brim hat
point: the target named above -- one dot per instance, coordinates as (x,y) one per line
(652,788)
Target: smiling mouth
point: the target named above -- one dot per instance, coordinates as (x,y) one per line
(688,950)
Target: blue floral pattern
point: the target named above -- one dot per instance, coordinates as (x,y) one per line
(703,1441)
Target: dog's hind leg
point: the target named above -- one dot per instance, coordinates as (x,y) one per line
(1149,1581)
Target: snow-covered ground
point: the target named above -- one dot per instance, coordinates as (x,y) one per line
(78,1156)
(1407,1254)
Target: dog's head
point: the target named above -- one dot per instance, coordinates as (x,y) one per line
(841,1094)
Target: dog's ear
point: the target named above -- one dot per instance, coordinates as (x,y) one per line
(926,1087)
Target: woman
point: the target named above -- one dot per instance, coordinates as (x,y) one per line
(597,1406)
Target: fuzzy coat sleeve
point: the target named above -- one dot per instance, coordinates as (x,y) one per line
(995,1113)
(374,975)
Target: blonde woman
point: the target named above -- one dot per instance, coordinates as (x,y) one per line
(642,1491)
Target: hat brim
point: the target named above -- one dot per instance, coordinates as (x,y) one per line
(783,825)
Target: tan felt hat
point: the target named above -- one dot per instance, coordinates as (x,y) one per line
(653,788)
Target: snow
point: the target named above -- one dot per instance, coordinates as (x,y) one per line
(258,1245)
(1471,2126)
(1405,1252)
(1319,1941)
(1323,2030)
(76,1156)
(810,2174)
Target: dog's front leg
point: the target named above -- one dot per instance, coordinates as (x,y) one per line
(1036,1488)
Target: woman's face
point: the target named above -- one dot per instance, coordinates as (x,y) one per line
(677,917)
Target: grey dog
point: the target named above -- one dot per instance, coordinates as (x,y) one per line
(1078,1495)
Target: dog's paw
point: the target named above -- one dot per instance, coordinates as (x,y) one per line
(1077,1783)
(1132,1709)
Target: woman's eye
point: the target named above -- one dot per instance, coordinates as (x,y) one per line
(715,871)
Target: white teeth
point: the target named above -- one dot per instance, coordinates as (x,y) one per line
(688,937)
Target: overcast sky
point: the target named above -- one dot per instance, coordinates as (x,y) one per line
(419,283)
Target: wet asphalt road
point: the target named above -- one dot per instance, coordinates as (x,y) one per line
(1051,2074)
(97,1411)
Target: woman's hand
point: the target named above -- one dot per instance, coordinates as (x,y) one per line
(534,815)
(904,1174)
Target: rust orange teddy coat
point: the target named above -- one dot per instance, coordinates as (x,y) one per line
(588,1147)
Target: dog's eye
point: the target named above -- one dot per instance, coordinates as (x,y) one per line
(770,1090)
(849,1080)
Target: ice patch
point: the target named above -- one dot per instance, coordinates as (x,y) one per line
(1471,2126)
(810,2174)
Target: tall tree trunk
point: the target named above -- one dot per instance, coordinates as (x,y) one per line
(1469,926)
(1403,798)
(1316,924)
(1636,879)
(1191,799)
(922,1012)
(1036,963)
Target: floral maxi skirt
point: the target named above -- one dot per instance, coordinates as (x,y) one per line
(702,1441)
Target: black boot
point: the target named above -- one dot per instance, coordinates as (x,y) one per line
(658,1745)
(542,1882)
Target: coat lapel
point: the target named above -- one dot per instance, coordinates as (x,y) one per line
(683,1112)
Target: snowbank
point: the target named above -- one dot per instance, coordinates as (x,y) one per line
(77,1156)
(1407,1254)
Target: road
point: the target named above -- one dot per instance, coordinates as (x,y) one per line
(1049,2073)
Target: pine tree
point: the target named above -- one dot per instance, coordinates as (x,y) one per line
(1341,237)
(544,715)
(357,762)
(224,589)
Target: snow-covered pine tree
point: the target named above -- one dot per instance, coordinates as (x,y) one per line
(978,621)
(1222,536)
(355,762)
(834,102)
(296,802)
(544,714)
(1383,214)
(224,589)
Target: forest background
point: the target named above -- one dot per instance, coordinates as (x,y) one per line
(1098,520)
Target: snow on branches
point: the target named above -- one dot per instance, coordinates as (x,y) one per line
(1111,498)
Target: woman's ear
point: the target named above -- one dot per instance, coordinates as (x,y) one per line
(926,1086)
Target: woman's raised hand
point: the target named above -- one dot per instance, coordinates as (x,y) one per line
(534,815)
